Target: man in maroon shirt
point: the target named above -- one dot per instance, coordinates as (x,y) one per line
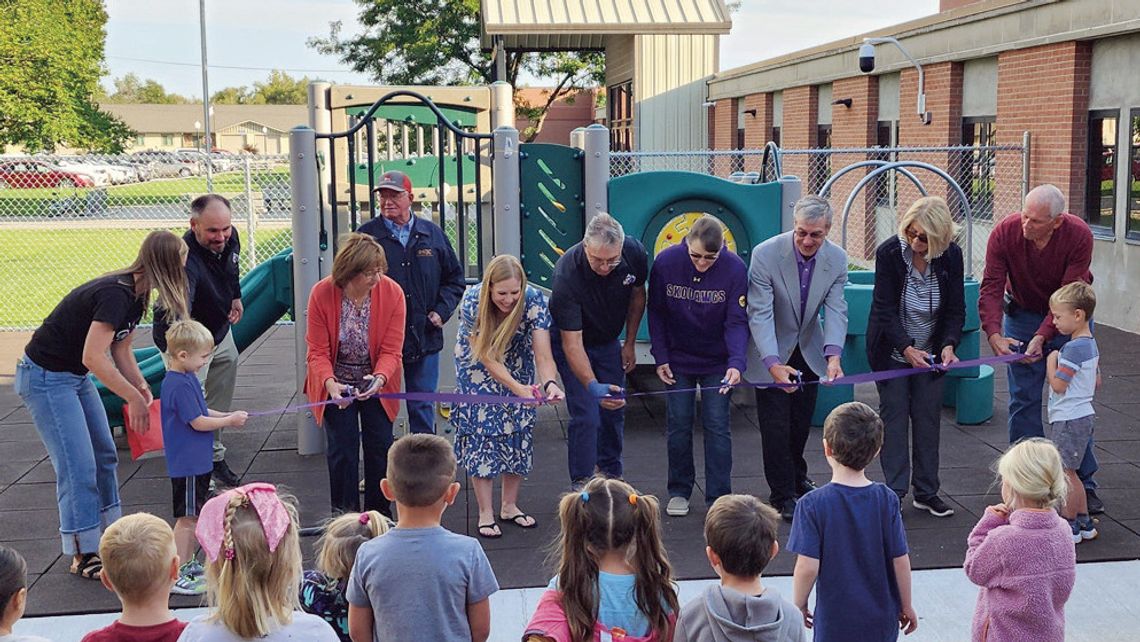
(1029,256)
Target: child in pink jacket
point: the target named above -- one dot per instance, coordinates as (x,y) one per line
(1021,552)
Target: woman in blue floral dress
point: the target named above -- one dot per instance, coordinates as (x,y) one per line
(504,336)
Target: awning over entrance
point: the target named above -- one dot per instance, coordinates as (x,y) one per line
(537,25)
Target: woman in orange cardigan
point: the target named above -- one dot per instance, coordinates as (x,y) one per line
(355,338)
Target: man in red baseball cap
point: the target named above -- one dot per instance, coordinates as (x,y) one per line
(423,262)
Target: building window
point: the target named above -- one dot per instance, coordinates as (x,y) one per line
(886,187)
(168,140)
(620,107)
(140,140)
(819,167)
(977,167)
(1100,192)
(1133,230)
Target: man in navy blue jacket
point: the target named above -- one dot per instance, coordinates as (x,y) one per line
(699,330)
(422,261)
(215,302)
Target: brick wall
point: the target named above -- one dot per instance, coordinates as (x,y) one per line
(799,129)
(1045,90)
(724,133)
(854,126)
(944,102)
(758,128)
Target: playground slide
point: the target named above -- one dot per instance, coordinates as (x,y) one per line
(267,294)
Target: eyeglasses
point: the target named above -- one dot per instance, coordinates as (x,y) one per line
(815,236)
(373,274)
(610,263)
(707,257)
(911,235)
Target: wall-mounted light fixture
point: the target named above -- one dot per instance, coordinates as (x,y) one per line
(708,103)
(846,102)
(867,65)
(750,112)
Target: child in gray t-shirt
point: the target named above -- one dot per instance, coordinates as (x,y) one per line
(420,581)
(1073,374)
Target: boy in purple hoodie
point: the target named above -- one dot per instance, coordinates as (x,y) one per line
(699,333)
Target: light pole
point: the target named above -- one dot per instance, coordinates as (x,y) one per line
(198,134)
(867,65)
(265,140)
(207,110)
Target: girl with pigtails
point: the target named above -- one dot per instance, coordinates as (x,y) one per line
(614,580)
(253,568)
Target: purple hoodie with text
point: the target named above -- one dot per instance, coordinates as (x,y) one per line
(697,321)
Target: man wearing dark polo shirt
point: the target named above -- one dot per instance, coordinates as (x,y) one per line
(598,289)
(215,302)
(1030,255)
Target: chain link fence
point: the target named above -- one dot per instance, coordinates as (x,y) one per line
(67,219)
(993,180)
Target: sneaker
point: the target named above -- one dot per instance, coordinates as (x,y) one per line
(933,505)
(191,579)
(1083,529)
(678,507)
(1096,506)
(224,476)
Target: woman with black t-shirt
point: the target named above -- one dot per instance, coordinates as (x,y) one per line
(95,318)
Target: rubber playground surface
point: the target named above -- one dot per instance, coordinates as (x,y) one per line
(265,450)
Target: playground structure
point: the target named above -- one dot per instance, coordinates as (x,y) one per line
(531,200)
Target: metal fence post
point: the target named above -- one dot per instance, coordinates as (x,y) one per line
(250,226)
(306,269)
(791,187)
(502,105)
(1025,149)
(578,137)
(597,169)
(507,224)
(320,119)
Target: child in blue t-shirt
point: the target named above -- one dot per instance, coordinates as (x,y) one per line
(1073,373)
(187,425)
(849,536)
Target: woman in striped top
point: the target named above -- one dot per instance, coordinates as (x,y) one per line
(916,319)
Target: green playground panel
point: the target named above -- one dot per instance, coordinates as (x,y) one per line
(551,201)
(462,117)
(423,171)
(830,397)
(644,203)
(974,397)
(968,348)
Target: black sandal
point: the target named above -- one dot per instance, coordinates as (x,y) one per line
(493,527)
(515,519)
(89,566)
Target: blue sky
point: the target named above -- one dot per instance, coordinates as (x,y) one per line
(246,38)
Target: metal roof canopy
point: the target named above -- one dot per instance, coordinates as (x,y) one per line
(565,25)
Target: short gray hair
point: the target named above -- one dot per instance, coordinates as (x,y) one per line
(199,205)
(604,230)
(813,208)
(1048,196)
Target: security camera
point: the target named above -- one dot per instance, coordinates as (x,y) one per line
(866,58)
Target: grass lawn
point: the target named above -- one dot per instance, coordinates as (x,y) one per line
(41,266)
(33,202)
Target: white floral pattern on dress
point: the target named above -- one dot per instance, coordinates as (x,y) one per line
(491,440)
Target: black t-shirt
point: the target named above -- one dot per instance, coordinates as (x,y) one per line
(57,344)
(596,305)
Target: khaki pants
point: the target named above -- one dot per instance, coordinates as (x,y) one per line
(218,377)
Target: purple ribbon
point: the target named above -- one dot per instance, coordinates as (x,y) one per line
(846,380)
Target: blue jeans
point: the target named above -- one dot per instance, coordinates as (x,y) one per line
(421,376)
(594,436)
(1026,385)
(73,426)
(679,410)
(361,422)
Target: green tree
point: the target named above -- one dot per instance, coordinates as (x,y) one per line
(282,89)
(232,96)
(51,56)
(131,89)
(412,42)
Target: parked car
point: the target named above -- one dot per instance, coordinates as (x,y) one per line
(104,173)
(164,164)
(30,174)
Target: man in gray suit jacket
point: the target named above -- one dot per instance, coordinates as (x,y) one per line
(792,279)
